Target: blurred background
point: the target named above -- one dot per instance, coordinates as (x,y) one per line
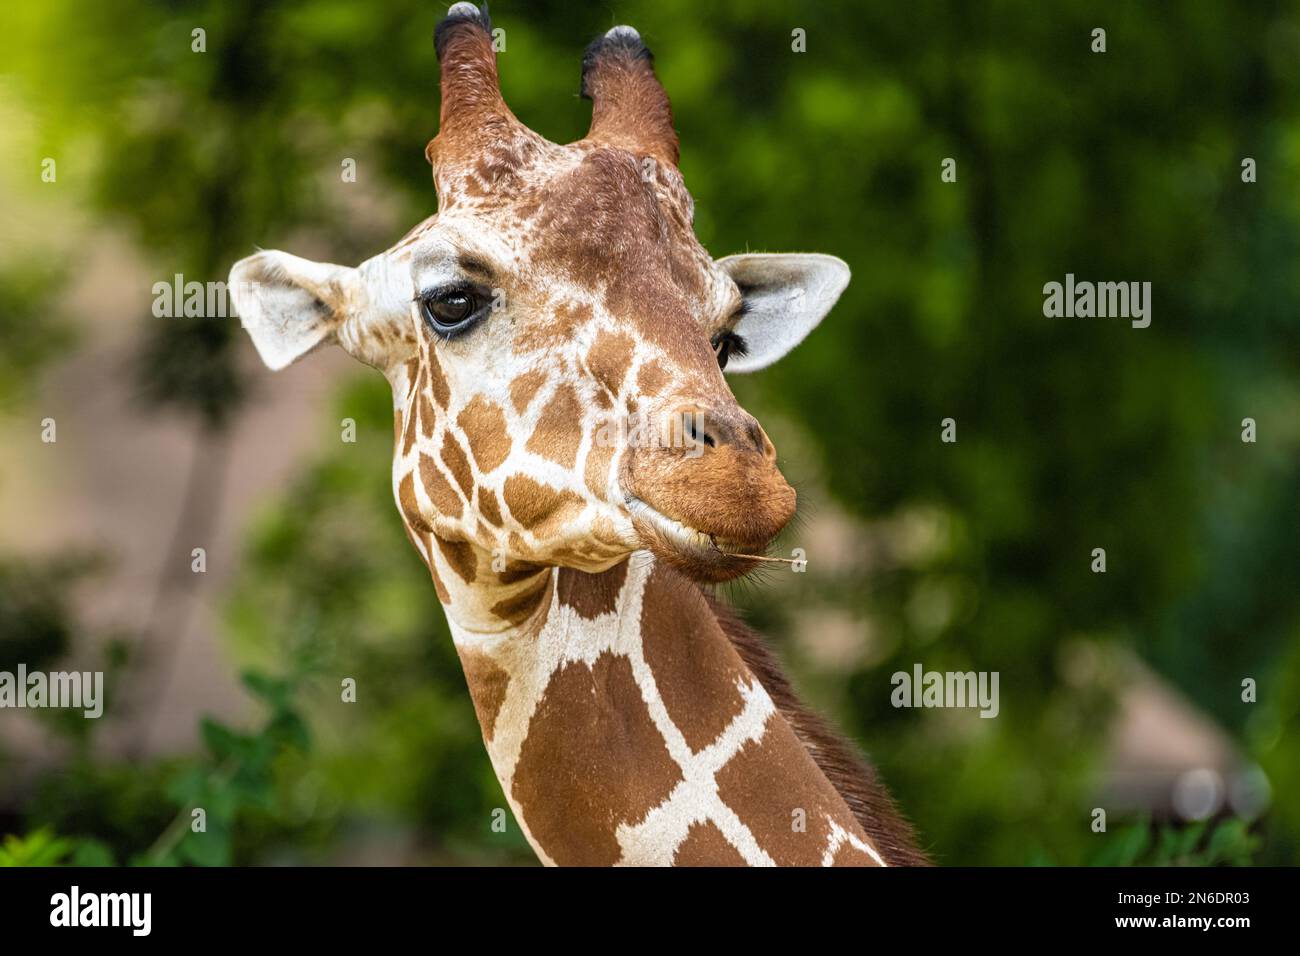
(1121,691)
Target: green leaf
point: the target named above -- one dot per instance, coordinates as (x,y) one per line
(40,848)
(1124,846)
(1190,838)
(289,729)
(207,849)
(1231,842)
(185,788)
(91,852)
(224,743)
(274,691)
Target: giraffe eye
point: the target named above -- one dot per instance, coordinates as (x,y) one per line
(449,310)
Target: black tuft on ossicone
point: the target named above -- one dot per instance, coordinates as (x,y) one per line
(623,41)
(442,31)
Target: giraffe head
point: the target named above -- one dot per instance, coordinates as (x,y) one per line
(556,336)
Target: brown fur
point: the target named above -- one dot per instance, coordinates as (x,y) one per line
(485,427)
(571,783)
(470,91)
(488,684)
(521,606)
(706,846)
(591,595)
(848,772)
(555,437)
(628,106)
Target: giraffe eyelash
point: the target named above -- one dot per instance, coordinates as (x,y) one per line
(726,344)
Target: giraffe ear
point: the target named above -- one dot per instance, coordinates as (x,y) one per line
(786,296)
(288,305)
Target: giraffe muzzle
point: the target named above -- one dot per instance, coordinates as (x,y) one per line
(708,497)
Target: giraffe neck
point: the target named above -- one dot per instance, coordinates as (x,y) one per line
(625,727)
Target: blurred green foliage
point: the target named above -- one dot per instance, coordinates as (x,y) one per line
(1072,434)
(1229,842)
(43,848)
(29,337)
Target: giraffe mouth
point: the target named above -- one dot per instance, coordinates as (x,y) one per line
(699,554)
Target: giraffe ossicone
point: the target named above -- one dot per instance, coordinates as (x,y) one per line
(559,289)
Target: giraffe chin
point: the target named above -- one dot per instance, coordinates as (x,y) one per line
(700,556)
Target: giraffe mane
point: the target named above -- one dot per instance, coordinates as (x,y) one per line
(849,773)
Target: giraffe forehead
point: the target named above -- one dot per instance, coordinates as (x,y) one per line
(613,210)
(581,211)
(623,236)
(521,173)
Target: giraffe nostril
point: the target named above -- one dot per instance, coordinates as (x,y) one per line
(728,428)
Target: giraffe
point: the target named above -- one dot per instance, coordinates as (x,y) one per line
(575,472)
